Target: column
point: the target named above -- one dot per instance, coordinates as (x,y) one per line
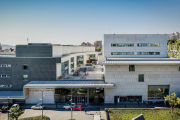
(87,95)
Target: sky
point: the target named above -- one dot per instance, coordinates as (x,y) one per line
(77,21)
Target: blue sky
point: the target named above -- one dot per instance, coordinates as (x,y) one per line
(75,21)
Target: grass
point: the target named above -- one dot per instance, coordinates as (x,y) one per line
(35,118)
(148,114)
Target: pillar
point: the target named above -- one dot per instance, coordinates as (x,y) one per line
(87,95)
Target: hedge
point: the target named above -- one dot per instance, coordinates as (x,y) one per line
(35,118)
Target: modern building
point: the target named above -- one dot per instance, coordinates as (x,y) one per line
(86,44)
(137,65)
(98,43)
(136,69)
(46,65)
(175,36)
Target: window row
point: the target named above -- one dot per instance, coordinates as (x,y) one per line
(5,86)
(122,53)
(122,44)
(132,44)
(148,53)
(132,53)
(5,65)
(5,76)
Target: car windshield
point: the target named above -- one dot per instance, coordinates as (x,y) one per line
(4,106)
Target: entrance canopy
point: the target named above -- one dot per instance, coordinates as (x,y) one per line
(11,95)
(69,84)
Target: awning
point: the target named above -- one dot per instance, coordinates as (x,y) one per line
(69,84)
(11,95)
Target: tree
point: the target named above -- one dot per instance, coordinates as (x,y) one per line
(170,41)
(173,101)
(170,46)
(15,113)
(98,48)
(179,52)
(172,55)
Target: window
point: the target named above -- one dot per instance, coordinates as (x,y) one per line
(151,53)
(130,53)
(4,76)
(158,91)
(5,86)
(145,53)
(131,68)
(25,77)
(148,44)
(9,65)
(113,53)
(141,78)
(5,65)
(157,53)
(139,53)
(119,45)
(25,67)
(113,44)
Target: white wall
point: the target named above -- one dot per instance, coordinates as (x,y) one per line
(57,51)
(134,38)
(126,82)
(58,70)
(35,96)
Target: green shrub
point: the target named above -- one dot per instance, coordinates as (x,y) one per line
(35,118)
(172,55)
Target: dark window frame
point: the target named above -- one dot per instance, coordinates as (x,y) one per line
(131,68)
(23,67)
(141,79)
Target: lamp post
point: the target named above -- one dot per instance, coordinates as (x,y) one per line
(71,103)
(42,104)
(7,108)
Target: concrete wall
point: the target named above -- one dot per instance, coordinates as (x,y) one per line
(126,82)
(57,51)
(58,70)
(35,96)
(134,38)
(34,51)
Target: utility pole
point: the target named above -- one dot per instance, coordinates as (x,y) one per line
(7,108)
(42,104)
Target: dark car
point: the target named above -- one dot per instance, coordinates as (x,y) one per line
(78,107)
(6,107)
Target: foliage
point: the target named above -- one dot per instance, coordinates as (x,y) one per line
(35,118)
(172,55)
(170,47)
(15,113)
(172,100)
(162,114)
(179,52)
(170,41)
(98,48)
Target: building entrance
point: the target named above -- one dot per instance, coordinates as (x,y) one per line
(79,99)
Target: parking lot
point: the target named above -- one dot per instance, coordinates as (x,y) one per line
(61,114)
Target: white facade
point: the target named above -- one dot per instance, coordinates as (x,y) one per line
(134,39)
(126,82)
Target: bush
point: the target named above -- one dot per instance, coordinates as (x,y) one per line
(172,55)
(35,118)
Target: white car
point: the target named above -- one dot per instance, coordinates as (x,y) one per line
(14,106)
(68,106)
(38,106)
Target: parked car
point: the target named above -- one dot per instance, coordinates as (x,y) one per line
(78,107)
(14,106)
(38,106)
(68,106)
(6,107)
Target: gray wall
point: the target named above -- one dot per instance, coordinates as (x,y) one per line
(39,69)
(34,51)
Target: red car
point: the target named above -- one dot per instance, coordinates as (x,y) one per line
(78,107)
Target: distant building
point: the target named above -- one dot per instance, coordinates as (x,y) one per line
(0,48)
(98,43)
(86,44)
(175,35)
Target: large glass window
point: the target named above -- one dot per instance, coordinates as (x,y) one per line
(72,62)
(157,53)
(148,44)
(64,68)
(113,44)
(145,53)
(141,78)
(139,53)
(122,53)
(151,53)
(122,44)
(158,91)
(80,60)
(5,86)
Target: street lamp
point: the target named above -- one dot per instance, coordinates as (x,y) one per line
(71,103)
(42,104)
(7,108)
